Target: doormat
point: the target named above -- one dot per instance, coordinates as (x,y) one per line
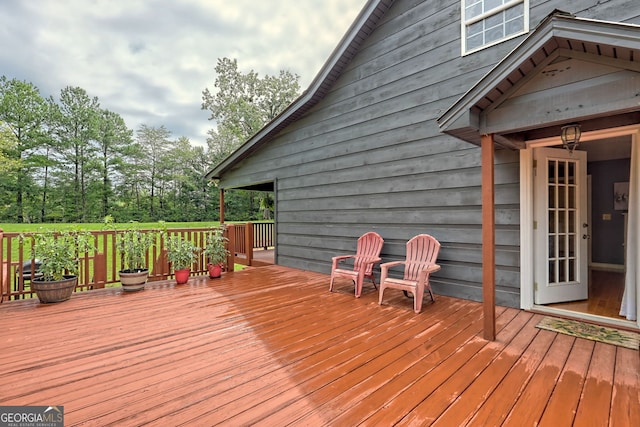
(591,332)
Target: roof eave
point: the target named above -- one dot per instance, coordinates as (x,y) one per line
(458,120)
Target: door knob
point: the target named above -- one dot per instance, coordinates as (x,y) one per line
(586,236)
(585,225)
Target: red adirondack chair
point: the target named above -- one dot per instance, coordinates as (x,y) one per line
(420,262)
(367,255)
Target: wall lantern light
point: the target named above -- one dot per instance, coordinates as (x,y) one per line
(570,136)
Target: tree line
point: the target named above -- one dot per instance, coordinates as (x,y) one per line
(69,160)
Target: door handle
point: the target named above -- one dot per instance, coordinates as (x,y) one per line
(586,236)
(585,225)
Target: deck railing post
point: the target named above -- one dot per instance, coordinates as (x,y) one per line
(4,271)
(221,207)
(99,270)
(230,234)
(248,241)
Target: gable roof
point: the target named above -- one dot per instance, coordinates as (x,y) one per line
(559,33)
(349,45)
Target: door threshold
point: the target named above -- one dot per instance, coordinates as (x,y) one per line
(590,318)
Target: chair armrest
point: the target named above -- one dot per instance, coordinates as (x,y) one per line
(369,260)
(427,271)
(392,263)
(387,265)
(337,259)
(342,257)
(432,268)
(384,269)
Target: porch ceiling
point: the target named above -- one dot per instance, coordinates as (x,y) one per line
(265,186)
(559,37)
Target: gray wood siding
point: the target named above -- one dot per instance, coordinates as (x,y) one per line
(370,155)
(556,100)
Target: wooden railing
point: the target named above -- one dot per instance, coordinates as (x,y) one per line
(99,267)
(250,236)
(263,235)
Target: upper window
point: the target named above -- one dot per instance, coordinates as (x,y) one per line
(487,22)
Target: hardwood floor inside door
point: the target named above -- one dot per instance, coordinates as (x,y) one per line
(605,295)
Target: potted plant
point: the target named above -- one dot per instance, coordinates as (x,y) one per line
(134,246)
(216,252)
(59,256)
(181,253)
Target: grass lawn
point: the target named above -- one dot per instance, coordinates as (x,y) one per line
(27,228)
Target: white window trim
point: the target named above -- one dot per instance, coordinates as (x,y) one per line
(465,23)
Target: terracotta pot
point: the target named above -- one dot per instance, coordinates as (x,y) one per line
(55,290)
(215,271)
(182,276)
(133,280)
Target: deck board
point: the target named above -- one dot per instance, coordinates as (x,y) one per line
(532,400)
(563,402)
(625,406)
(595,402)
(467,389)
(503,398)
(271,346)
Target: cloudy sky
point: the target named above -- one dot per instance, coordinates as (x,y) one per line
(150,60)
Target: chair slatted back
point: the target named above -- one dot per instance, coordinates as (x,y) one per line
(422,251)
(369,246)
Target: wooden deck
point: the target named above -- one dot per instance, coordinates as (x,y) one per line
(271,346)
(259,258)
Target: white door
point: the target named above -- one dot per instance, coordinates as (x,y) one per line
(561,231)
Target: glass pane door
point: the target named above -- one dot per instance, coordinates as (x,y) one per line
(563,221)
(560,204)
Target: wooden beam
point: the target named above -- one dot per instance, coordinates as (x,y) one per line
(5,276)
(488,238)
(248,242)
(230,234)
(222,206)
